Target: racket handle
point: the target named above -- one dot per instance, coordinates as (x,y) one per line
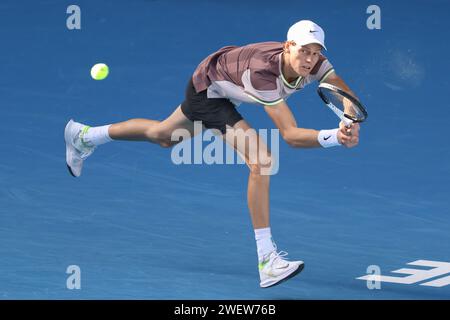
(347,122)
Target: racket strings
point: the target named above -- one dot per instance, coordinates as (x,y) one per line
(349,108)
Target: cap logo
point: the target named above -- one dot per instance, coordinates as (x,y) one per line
(312,31)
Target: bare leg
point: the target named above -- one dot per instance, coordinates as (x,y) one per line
(151,130)
(258,200)
(258,183)
(134,129)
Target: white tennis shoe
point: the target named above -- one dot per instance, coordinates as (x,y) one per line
(76,149)
(274,269)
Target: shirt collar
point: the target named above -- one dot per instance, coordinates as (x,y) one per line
(286,83)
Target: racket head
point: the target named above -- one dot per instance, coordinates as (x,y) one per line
(352,108)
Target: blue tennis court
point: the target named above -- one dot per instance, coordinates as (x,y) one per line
(140,227)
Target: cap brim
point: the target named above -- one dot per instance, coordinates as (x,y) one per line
(311,41)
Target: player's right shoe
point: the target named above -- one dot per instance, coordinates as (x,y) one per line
(76,149)
(274,269)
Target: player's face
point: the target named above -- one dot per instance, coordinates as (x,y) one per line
(304,58)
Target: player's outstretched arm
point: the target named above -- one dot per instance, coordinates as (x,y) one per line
(297,137)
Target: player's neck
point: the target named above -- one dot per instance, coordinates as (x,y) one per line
(288,73)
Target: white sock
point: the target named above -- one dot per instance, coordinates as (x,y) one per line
(264,242)
(97,135)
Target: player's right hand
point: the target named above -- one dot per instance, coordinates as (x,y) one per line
(348,137)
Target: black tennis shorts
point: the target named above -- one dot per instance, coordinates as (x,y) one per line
(215,113)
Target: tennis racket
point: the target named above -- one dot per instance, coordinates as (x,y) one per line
(344,105)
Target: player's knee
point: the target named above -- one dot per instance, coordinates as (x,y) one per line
(160,136)
(166,141)
(262,167)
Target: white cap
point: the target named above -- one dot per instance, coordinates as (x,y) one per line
(305,32)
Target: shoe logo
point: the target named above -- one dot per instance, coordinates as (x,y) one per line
(261,265)
(326,138)
(283,267)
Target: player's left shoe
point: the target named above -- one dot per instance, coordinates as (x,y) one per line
(76,149)
(274,269)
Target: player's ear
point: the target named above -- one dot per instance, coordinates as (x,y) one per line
(287,44)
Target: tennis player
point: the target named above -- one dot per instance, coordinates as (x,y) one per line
(264,73)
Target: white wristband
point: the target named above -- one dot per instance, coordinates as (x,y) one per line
(328,138)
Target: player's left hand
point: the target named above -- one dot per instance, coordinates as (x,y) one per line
(348,137)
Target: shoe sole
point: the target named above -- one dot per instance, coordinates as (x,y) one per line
(66,140)
(70,171)
(293,274)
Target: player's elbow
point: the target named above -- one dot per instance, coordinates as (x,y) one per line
(289,137)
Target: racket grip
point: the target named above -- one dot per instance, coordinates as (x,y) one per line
(347,122)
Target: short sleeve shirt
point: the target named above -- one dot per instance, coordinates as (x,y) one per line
(252,74)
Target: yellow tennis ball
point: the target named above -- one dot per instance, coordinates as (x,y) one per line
(99,71)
